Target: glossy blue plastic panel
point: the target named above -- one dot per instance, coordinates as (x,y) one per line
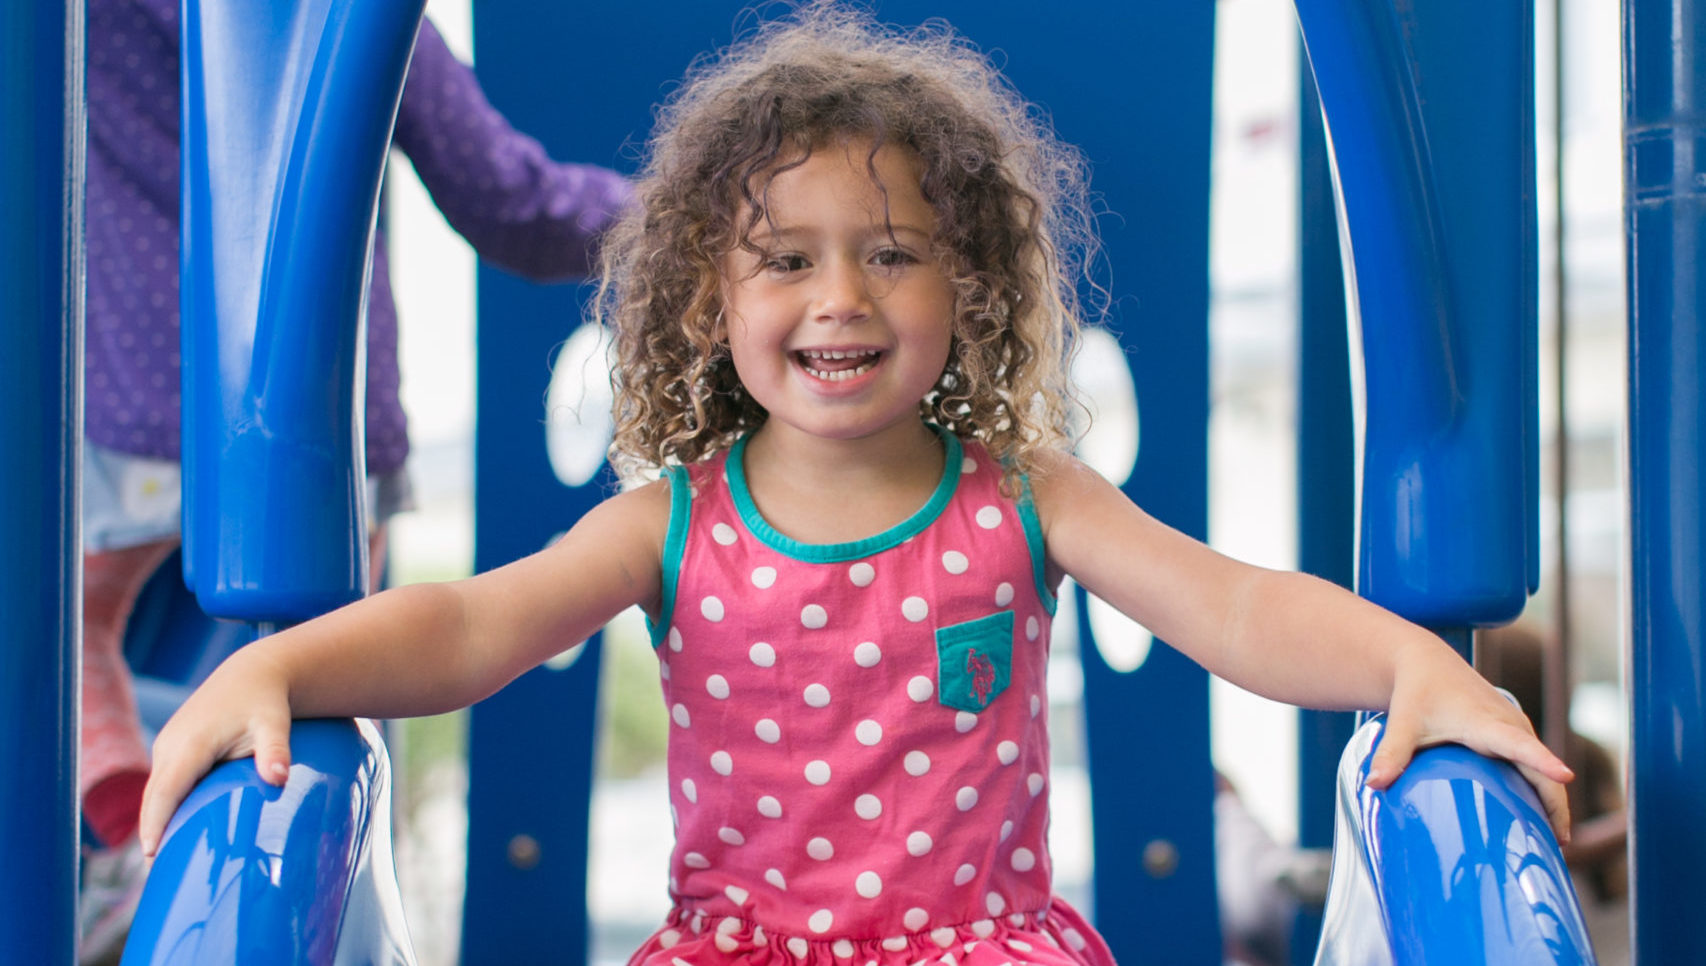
(41,419)
(287,114)
(252,874)
(1096,67)
(1454,865)
(1430,112)
(1664,179)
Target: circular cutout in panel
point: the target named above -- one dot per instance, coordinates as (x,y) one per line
(1122,642)
(578,423)
(1109,441)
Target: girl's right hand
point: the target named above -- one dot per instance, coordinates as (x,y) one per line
(242,709)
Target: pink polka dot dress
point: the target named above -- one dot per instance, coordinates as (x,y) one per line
(858,756)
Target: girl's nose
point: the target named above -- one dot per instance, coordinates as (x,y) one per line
(842,295)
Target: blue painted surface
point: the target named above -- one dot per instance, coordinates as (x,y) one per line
(1454,865)
(1086,63)
(1665,215)
(1430,107)
(256,874)
(41,370)
(287,116)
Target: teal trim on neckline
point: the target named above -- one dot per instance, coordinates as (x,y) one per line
(1034,538)
(674,546)
(857,549)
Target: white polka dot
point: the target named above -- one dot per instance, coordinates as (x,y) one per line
(893,944)
(1036,705)
(968,465)
(820,921)
(983,928)
(813,617)
(964,874)
(989,517)
(868,732)
(861,574)
(915,919)
(769,807)
(663,670)
(944,936)
(1034,782)
(668,938)
(799,947)
(964,721)
(763,577)
(774,877)
(868,884)
(817,771)
(724,534)
(682,718)
(995,904)
(1007,752)
(694,860)
(729,924)
(1003,594)
(917,763)
(721,763)
(868,806)
(817,695)
(1074,938)
(820,849)
(955,562)
(918,843)
(920,688)
(762,654)
(842,948)
(767,731)
(712,608)
(718,686)
(867,654)
(1032,628)
(1024,860)
(675,639)
(1006,829)
(965,798)
(914,609)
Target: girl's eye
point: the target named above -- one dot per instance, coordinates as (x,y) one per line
(892,258)
(782,264)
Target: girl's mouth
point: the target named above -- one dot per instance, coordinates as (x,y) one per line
(836,365)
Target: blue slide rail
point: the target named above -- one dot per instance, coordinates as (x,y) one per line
(41,415)
(1454,865)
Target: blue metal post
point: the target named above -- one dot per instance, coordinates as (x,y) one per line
(1430,108)
(41,422)
(1665,215)
(287,115)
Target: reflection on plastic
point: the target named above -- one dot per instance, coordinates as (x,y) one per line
(578,424)
(256,875)
(1453,865)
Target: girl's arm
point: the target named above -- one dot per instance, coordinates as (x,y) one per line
(416,650)
(1288,636)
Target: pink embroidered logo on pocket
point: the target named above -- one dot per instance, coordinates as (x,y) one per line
(982,672)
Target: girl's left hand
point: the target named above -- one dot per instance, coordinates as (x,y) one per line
(1436,699)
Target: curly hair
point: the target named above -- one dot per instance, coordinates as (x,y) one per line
(1013,229)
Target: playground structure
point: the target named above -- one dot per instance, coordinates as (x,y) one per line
(1444,268)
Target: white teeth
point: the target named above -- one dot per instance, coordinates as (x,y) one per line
(839,375)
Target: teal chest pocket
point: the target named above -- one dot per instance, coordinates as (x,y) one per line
(974,661)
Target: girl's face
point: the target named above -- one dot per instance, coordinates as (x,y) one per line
(842,324)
